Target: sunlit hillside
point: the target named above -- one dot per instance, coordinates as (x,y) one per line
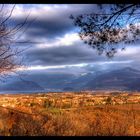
(70,114)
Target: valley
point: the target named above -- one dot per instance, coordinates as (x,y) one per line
(82,113)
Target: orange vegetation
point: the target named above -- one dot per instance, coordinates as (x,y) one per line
(68,119)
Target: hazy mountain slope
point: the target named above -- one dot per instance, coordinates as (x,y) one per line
(123,79)
(21,86)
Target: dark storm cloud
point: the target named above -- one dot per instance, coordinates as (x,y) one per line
(63,55)
(57,24)
(80,53)
(49,26)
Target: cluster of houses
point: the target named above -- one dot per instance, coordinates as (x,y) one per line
(68,100)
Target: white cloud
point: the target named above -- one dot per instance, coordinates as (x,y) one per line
(38,67)
(114,62)
(51,10)
(66,40)
(129,51)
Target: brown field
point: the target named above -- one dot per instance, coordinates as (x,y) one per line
(70,114)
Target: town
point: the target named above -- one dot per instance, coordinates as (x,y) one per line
(67,100)
(82,113)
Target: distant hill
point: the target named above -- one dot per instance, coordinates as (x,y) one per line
(52,81)
(22,86)
(122,79)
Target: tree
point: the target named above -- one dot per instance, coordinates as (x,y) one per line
(9,35)
(115,26)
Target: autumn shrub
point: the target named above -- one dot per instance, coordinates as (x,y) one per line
(66,105)
(66,124)
(101,120)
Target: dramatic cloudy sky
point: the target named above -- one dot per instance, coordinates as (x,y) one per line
(58,48)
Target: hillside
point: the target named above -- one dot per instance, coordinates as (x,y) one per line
(70,114)
(21,86)
(123,79)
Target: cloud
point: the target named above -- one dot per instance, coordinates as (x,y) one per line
(75,53)
(60,44)
(66,40)
(51,20)
(62,55)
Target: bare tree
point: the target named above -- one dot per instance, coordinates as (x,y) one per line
(113,27)
(9,36)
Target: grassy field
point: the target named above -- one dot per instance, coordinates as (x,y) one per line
(70,114)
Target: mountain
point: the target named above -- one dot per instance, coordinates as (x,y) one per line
(40,82)
(79,82)
(122,79)
(21,86)
(52,80)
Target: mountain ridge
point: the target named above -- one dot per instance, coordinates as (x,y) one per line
(119,79)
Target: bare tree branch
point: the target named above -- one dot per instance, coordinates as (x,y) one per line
(9,36)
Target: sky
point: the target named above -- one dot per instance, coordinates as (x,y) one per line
(58,48)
